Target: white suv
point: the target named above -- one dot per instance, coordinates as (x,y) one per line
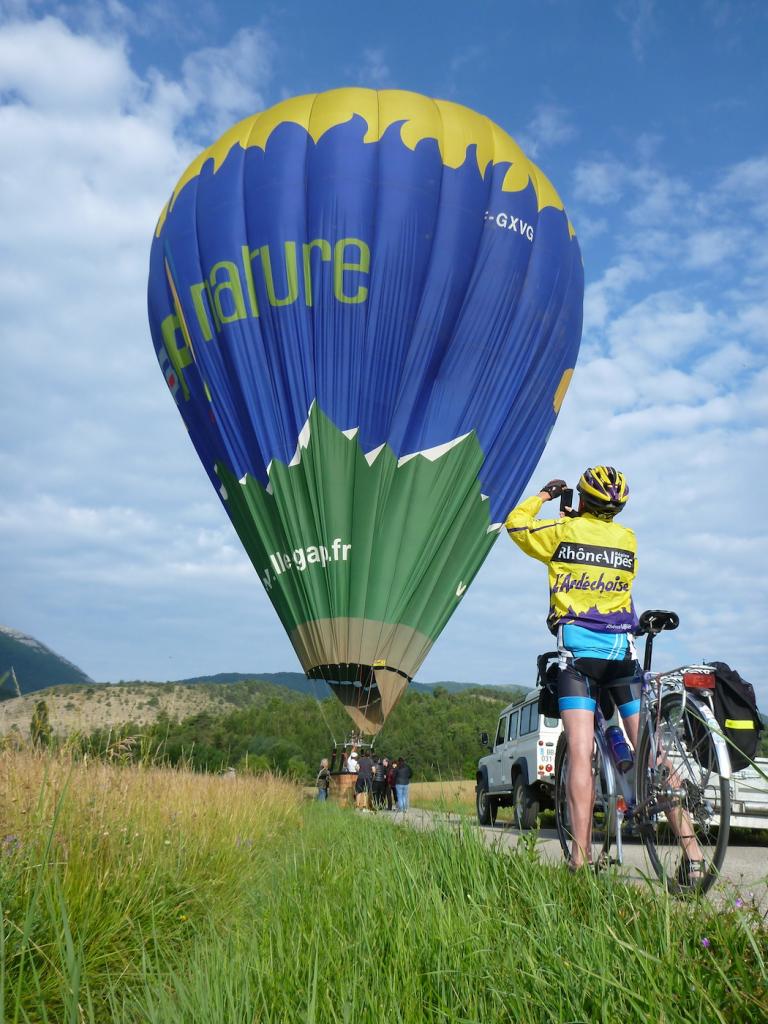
(520,771)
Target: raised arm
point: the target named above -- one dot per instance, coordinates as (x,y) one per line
(536,537)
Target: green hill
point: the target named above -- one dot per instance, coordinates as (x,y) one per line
(36,666)
(298,682)
(438,732)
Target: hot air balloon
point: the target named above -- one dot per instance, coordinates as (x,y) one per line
(367,306)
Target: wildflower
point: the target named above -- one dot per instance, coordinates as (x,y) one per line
(183,917)
(11,844)
(706,943)
(738,903)
(167,842)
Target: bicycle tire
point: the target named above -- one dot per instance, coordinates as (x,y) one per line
(685,734)
(604,810)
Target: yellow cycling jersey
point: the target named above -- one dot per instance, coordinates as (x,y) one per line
(592,563)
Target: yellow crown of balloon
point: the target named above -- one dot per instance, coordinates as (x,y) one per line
(453,126)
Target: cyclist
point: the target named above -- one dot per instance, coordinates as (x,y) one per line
(592,564)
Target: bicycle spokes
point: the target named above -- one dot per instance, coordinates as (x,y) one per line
(683,799)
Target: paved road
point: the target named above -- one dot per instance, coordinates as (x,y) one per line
(745,867)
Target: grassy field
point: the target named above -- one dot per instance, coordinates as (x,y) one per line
(155,896)
(455,797)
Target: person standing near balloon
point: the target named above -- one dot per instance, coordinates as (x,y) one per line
(364,782)
(403,774)
(390,791)
(592,563)
(323,780)
(379,782)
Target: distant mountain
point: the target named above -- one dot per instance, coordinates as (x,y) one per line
(36,666)
(316,688)
(290,680)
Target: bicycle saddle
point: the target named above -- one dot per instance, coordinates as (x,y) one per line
(654,621)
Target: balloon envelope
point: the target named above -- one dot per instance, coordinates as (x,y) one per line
(367,306)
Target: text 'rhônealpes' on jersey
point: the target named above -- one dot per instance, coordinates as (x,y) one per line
(593,554)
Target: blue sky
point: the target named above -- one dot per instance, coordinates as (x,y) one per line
(650,118)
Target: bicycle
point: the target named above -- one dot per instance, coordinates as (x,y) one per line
(680,802)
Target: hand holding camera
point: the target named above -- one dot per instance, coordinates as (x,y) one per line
(559,489)
(553,489)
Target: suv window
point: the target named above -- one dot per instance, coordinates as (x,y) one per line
(524,719)
(529,718)
(512,726)
(500,733)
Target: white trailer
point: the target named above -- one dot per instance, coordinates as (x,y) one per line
(749,796)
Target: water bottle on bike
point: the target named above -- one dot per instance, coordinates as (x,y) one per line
(620,748)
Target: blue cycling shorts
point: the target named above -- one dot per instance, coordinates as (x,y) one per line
(597,666)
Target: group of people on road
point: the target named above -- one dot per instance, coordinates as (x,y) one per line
(384,780)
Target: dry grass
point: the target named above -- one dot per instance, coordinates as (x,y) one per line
(73,709)
(105,859)
(133,814)
(457,796)
(453,797)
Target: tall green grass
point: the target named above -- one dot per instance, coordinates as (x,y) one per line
(236,904)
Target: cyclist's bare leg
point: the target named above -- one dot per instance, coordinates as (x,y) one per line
(631,727)
(680,822)
(579,726)
(678,819)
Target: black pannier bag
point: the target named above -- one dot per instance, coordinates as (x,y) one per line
(547,682)
(736,713)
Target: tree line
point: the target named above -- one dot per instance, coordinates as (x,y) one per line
(438,733)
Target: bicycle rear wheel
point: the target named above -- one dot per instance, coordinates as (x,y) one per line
(604,809)
(683,796)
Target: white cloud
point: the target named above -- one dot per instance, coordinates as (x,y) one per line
(602,296)
(90,153)
(466,57)
(709,247)
(600,182)
(550,126)
(77,72)
(663,328)
(373,72)
(639,15)
(222,84)
(660,197)
(747,180)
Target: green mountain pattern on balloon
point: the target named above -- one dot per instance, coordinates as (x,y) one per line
(364,556)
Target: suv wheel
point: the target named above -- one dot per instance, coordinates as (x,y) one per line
(526,804)
(486,805)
